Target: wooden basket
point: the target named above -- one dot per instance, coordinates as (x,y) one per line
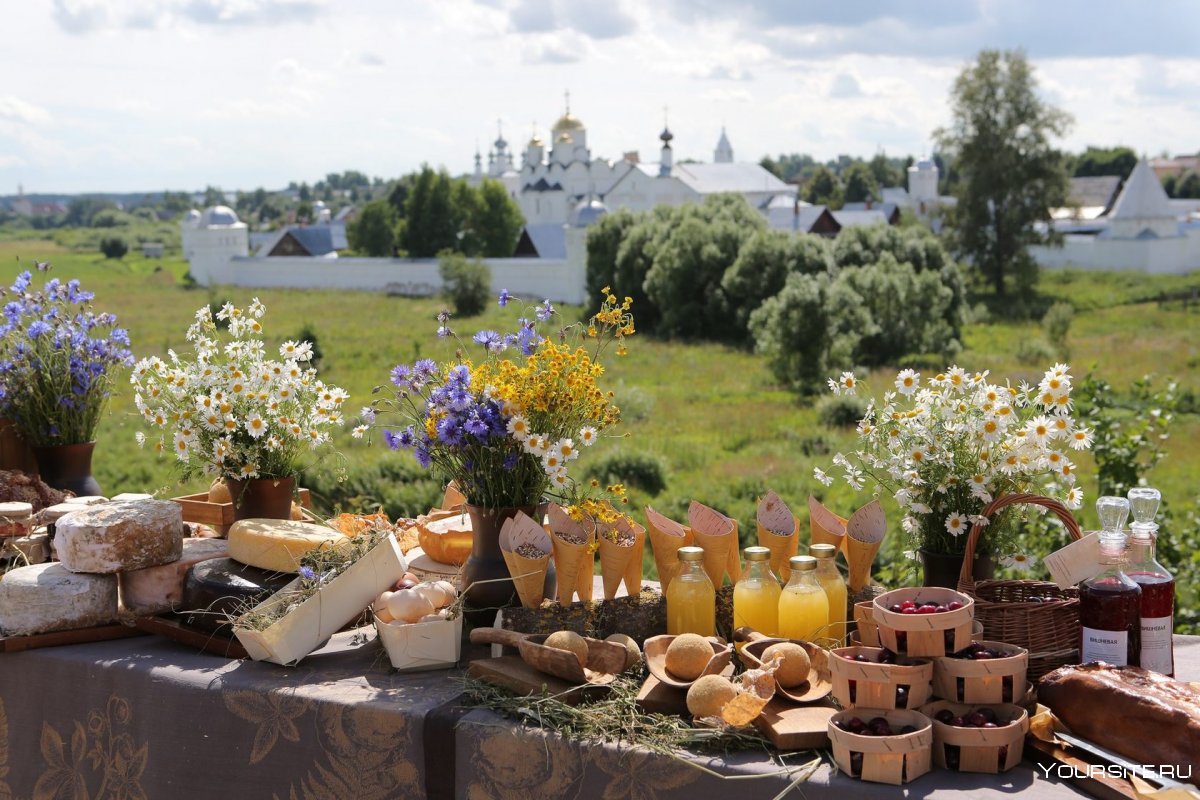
(884,759)
(988,750)
(993,680)
(864,619)
(906,685)
(924,634)
(1049,630)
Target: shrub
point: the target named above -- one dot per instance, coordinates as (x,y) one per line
(113,247)
(1034,350)
(643,471)
(1057,324)
(792,329)
(466,283)
(841,411)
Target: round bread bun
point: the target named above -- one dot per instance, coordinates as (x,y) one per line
(796,663)
(570,641)
(633,653)
(707,696)
(219,492)
(688,655)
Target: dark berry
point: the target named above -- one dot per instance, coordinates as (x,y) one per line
(896,608)
(908,604)
(909,729)
(944,716)
(887,656)
(927,610)
(958,722)
(941,610)
(901,697)
(953,605)
(988,714)
(855,725)
(976,720)
(861,657)
(988,725)
(1007,688)
(909,610)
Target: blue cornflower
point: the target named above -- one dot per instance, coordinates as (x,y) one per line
(460,376)
(407,437)
(460,399)
(308,574)
(450,431)
(426,367)
(120,336)
(423,457)
(489,339)
(37,328)
(22,282)
(476,427)
(391,439)
(545,311)
(504,297)
(510,461)
(400,375)
(443,331)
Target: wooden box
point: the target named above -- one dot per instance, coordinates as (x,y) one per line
(994,680)
(874,685)
(196,508)
(894,759)
(924,634)
(988,750)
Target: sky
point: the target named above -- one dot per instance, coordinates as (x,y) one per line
(144,95)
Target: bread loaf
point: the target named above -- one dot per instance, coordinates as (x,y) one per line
(1144,716)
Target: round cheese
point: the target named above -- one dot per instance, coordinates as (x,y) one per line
(218,588)
(277,544)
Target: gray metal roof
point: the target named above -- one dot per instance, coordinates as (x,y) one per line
(718,178)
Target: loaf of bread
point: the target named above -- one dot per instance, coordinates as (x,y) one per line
(1144,716)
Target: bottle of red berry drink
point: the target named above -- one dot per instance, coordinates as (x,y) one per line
(1110,603)
(1158,584)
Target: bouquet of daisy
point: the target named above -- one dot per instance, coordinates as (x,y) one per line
(232,411)
(946,447)
(506,419)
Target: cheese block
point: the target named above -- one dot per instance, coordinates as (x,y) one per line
(117,498)
(157,589)
(120,537)
(216,589)
(31,549)
(48,597)
(277,544)
(16,519)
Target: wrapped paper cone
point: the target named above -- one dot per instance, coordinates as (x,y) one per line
(666,537)
(528,574)
(453,498)
(573,562)
(827,527)
(864,535)
(779,531)
(621,562)
(717,535)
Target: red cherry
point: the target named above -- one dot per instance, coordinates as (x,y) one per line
(910,610)
(927,610)
(908,604)
(941,610)
(976,720)
(953,605)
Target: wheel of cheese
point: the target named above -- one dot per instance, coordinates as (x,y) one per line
(219,587)
(278,544)
(16,519)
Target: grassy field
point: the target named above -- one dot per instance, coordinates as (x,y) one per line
(713,415)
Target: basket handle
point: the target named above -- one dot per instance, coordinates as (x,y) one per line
(965,577)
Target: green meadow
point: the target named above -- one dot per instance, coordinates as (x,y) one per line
(713,416)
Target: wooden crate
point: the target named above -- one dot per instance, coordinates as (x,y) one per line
(196,508)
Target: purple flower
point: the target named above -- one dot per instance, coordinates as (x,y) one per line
(460,376)
(400,375)
(489,339)
(426,368)
(510,461)
(504,297)
(444,331)
(460,399)
(450,431)
(422,456)
(307,573)
(407,437)
(545,311)
(392,440)
(476,427)
(37,328)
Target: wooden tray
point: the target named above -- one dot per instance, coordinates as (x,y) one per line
(513,674)
(656,697)
(204,641)
(103,633)
(793,727)
(196,508)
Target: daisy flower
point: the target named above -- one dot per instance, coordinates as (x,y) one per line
(908,381)
(256,426)
(587,436)
(1074,498)
(820,476)
(1019,561)
(518,426)
(1081,439)
(956,524)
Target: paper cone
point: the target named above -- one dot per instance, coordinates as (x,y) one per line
(779,531)
(621,562)
(864,534)
(666,537)
(717,535)
(453,498)
(827,527)
(572,562)
(528,574)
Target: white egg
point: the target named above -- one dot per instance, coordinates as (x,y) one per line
(448,590)
(431,618)
(431,592)
(408,605)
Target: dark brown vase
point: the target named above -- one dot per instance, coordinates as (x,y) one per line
(68,467)
(486,562)
(14,452)
(942,569)
(269,498)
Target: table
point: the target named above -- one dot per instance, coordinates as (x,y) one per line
(148,718)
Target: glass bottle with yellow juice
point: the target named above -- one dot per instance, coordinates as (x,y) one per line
(834,585)
(691,598)
(756,594)
(803,606)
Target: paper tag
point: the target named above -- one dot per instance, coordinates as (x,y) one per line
(775,516)
(1111,647)
(708,520)
(1076,562)
(1157,644)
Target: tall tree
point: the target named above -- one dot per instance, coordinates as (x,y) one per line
(860,184)
(999,141)
(498,220)
(886,171)
(823,188)
(1105,161)
(431,224)
(373,231)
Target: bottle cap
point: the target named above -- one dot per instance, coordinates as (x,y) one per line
(690,553)
(757,553)
(822,550)
(802,563)
(1113,511)
(1143,503)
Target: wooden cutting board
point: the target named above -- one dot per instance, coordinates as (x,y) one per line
(656,697)
(103,633)
(204,641)
(794,727)
(513,674)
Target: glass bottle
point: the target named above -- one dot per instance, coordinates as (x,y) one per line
(803,606)
(756,594)
(691,598)
(1157,582)
(835,588)
(1110,603)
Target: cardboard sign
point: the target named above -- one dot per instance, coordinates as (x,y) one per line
(1076,562)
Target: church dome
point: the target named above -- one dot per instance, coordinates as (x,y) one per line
(566,123)
(191,219)
(565,137)
(536,141)
(588,212)
(218,215)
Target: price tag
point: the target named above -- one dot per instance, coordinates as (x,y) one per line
(1076,562)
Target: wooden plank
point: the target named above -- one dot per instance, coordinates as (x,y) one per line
(204,641)
(103,633)
(655,697)
(796,727)
(196,508)
(513,674)
(1098,785)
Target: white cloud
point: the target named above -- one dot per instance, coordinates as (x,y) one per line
(18,110)
(845,85)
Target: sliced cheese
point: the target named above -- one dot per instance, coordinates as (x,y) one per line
(277,544)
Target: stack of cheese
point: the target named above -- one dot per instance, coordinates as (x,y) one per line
(263,556)
(95,543)
(20,544)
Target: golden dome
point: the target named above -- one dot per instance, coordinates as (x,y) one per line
(565,137)
(567,122)
(536,141)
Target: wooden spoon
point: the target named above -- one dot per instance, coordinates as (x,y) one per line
(819,683)
(655,650)
(605,659)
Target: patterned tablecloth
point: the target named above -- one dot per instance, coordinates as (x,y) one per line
(148,718)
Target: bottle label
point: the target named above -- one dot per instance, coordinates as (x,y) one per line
(1111,647)
(1157,647)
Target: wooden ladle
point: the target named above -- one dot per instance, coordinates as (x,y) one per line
(655,649)
(605,659)
(819,683)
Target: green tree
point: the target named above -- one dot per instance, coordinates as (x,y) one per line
(1011,175)
(604,240)
(1105,161)
(498,220)
(823,188)
(304,212)
(1189,187)
(792,329)
(213,196)
(373,231)
(467,283)
(886,170)
(431,223)
(763,265)
(114,247)
(860,184)
(82,210)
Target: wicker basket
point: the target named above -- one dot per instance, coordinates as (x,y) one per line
(1049,630)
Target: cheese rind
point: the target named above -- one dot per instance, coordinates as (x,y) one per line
(218,588)
(48,597)
(120,537)
(157,589)
(278,545)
